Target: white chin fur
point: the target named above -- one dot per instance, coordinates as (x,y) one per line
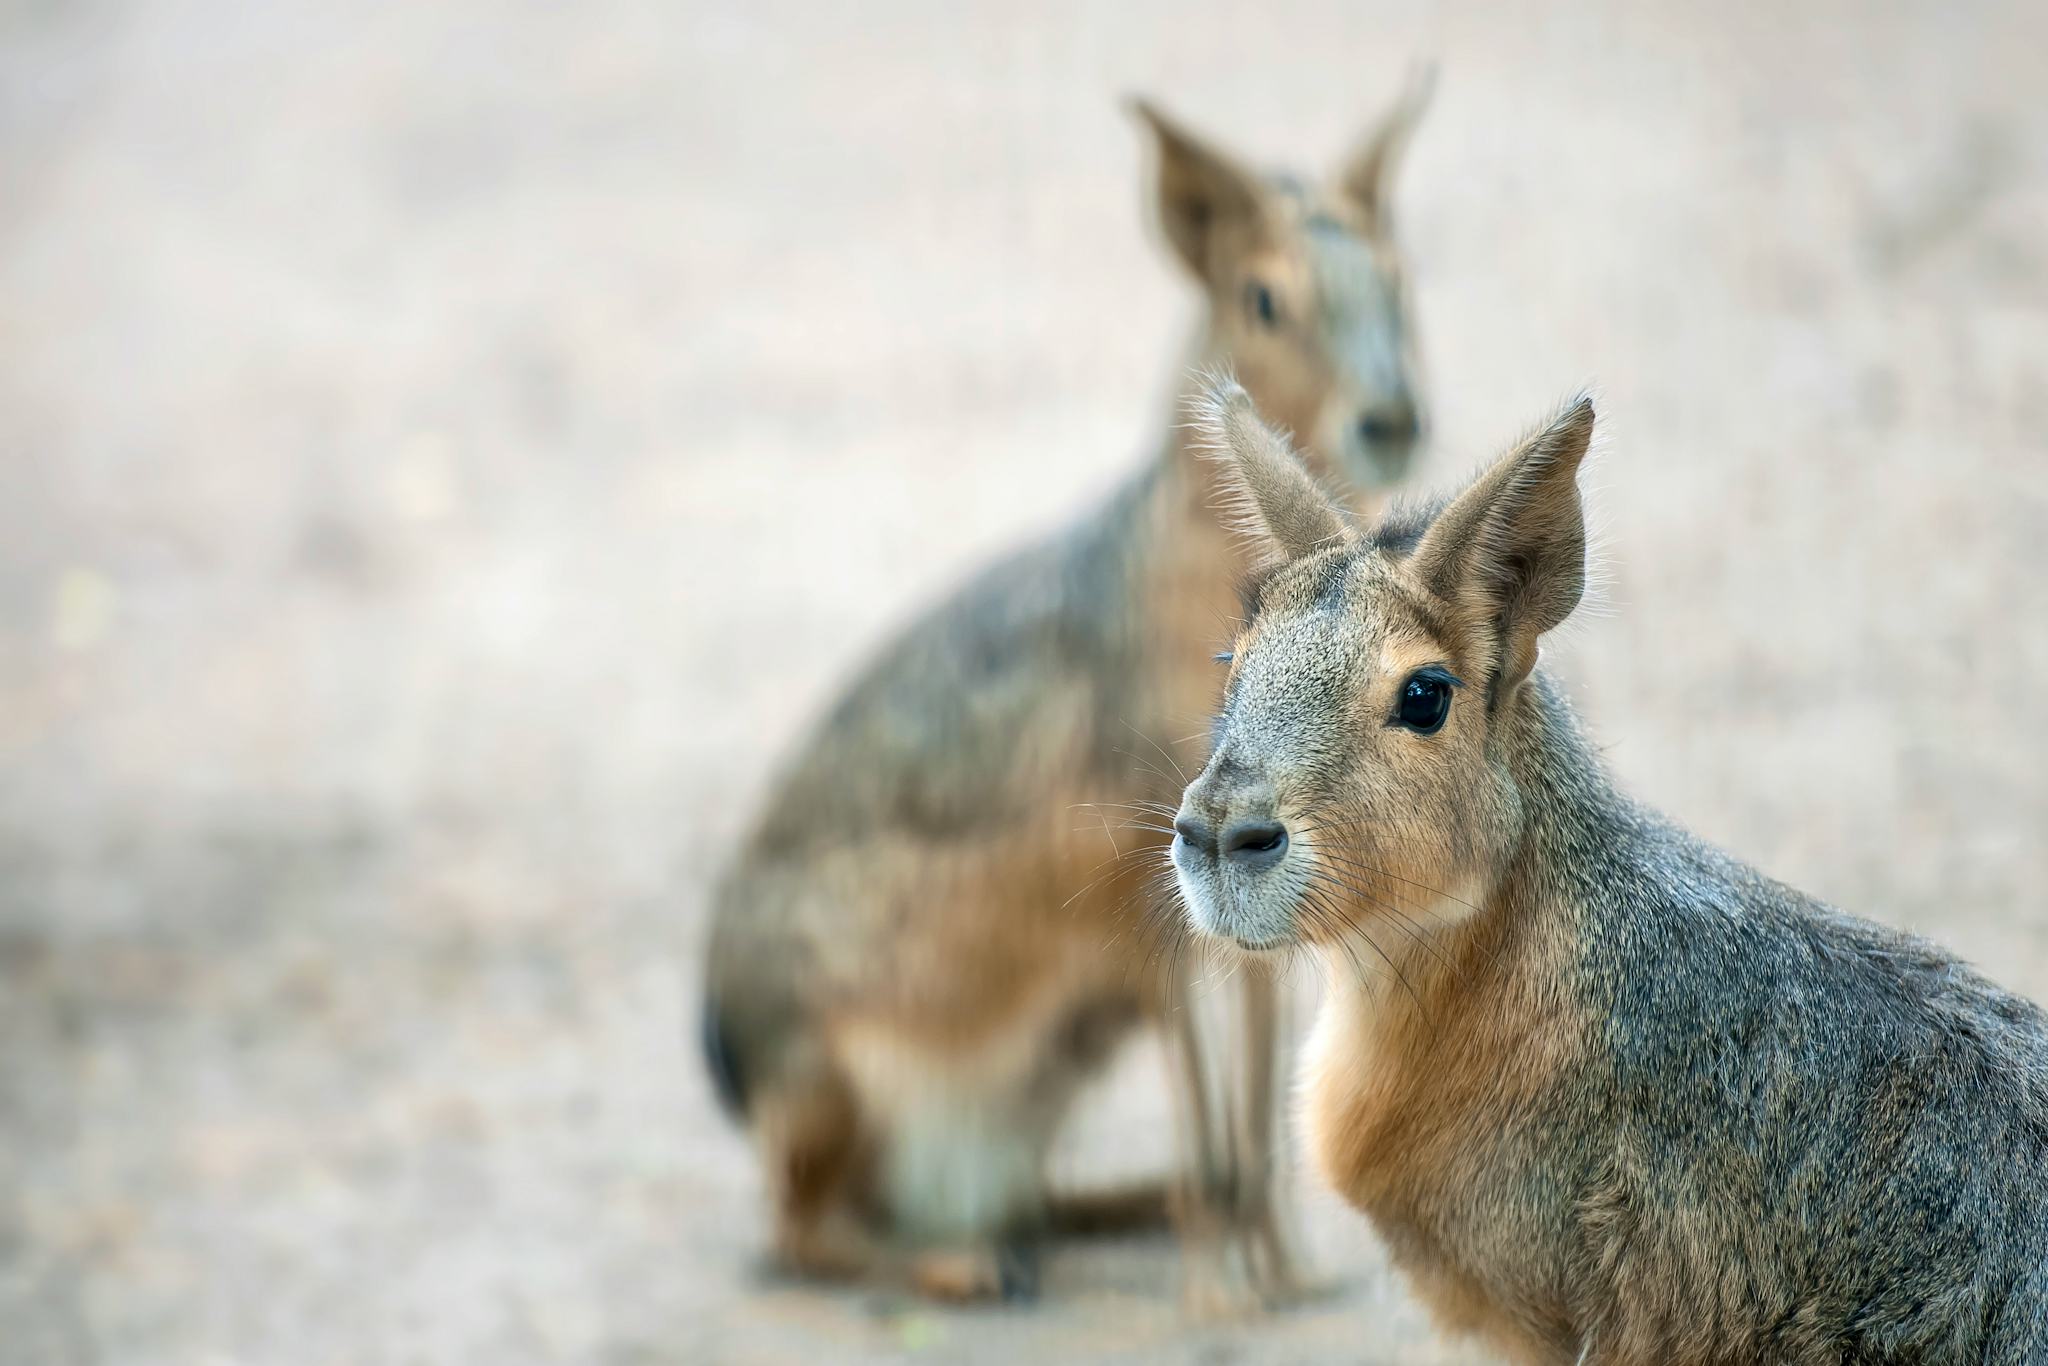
(1222,912)
(1200,903)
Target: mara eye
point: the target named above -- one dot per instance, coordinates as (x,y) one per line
(1223,656)
(1425,701)
(1258,301)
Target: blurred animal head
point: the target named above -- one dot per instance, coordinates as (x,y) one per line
(1360,766)
(1307,299)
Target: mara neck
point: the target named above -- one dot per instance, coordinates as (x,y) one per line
(1578,829)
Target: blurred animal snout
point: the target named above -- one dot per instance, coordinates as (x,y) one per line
(1242,830)
(1393,423)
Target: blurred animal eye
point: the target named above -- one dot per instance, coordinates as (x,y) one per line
(1425,701)
(1258,301)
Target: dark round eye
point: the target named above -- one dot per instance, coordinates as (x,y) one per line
(1258,301)
(1425,702)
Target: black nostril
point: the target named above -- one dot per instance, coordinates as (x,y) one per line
(1386,426)
(1195,833)
(1255,844)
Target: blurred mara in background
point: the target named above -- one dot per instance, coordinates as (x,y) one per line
(943,924)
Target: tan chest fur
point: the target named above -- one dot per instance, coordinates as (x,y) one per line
(1405,1096)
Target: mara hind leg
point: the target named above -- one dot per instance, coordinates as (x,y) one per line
(1004,1268)
(958,1170)
(817,1160)
(822,1161)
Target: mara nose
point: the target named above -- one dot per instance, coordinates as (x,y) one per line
(1390,424)
(1250,845)
(1255,845)
(1196,833)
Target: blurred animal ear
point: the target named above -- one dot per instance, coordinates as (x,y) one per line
(1509,553)
(1275,501)
(1368,177)
(1201,192)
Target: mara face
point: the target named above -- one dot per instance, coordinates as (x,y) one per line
(1359,770)
(1308,304)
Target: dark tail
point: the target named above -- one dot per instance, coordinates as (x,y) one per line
(722,1060)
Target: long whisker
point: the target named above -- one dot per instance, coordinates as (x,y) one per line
(1373,944)
(1424,941)
(1338,828)
(1162,752)
(1340,934)
(1335,861)
(1156,808)
(1147,765)
(1339,856)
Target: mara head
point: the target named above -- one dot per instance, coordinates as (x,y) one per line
(1361,762)
(1307,303)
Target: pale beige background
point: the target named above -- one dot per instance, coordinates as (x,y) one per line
(446,451)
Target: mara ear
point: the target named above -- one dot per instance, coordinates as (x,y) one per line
(1273,498)
(1200,191)
(1368,177)
(1509,553)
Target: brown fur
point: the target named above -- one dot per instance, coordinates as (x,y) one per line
(1609,1095)
(939,927)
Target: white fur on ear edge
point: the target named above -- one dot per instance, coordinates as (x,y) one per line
(1270,496)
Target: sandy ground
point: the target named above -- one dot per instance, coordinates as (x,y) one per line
(449,449)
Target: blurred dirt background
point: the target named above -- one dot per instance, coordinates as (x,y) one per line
(447,450)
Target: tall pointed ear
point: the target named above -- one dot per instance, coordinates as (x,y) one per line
(1509,553)
(1272,496)
(1201,191)
(1368,177)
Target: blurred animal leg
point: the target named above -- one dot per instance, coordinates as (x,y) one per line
(809,1136)
(1212,1288)
(997,1269)
(1262,1215)
(960,1166)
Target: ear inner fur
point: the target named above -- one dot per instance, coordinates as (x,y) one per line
(1509,554)
(1368,176)
(1274,499)
(1199,188)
